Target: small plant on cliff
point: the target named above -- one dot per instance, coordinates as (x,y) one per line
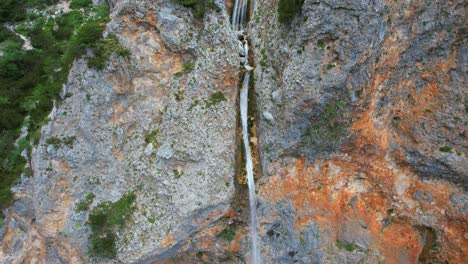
(58,142)
(200,7)
(445,149)
(152,138)
(348,246)
(103,49)
(215,98)
(84,205)
(228,234)
(288,8)
(188,67)
(104,220)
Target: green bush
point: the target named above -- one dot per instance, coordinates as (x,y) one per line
(288,8)
(104,220)
(228,234)
(76,4)
(215,98)
(84,205)
(200,7)
(188,67)
(445,149)
(103,49)
(152,138)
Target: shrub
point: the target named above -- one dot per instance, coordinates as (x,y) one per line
(215,98)
(288,8)
(188,67)
(84,205)
(103,49)
(152,138)
(348,247)
(445,149)
(200,7)
(76,4)
(104,220)
(228,234)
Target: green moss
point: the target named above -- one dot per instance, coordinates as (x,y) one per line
(188,67)
(445,149)
(228,234)
(215,98)
(348,247)
(84,205)
(105,220)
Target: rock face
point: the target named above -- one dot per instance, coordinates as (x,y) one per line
(361,115)
(367,147)
(142,125)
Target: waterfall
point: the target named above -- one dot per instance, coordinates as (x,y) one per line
(239,16)
(244,98)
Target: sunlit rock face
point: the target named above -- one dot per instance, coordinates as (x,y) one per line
(360,113)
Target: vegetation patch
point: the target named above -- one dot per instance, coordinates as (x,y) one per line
(58,142)
(31,79)
(215,98)
(103,49)
(351,247)
(84,205)
(445,149)
(327,128)
(188,67)
(287,9)
(152,138)
(105,220)
(200,7)
(228,234)
(76,4)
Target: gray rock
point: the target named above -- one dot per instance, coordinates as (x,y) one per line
(149,149)
(268,116)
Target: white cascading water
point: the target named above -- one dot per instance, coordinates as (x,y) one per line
(239,16)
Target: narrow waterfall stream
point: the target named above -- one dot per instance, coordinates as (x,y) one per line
(239,16)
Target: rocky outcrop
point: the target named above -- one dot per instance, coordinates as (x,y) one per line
(146,124)
(362,120)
